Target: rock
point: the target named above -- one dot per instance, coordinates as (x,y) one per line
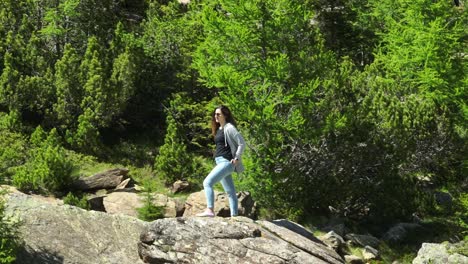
(70,235)
(96,203)
(310,245)
(180,186)
(180,206)
(46,199)
(105,180)
(123,184)
(295,227)
(247,206)
(335,224)
(369,253)
(438,254)
(339,229)
(127,203)
(351,259)
(196,203)
(123,203)
(172,207)
(363,240)
(444,199)
(225,240)
(457,258)
(400,232)
(333,240)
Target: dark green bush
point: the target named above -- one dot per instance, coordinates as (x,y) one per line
(48,169)
(149,211)
(8,235)
(13,151)
(77,200)
(175,160)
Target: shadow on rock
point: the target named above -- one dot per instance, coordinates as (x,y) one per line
(42,256)
(297,229)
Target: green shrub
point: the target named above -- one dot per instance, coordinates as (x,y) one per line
(149,211)
(8,235)
(461,214)
(77,200)
(11,121)
(13,152)
(48,169)
(173,162)
(182,156)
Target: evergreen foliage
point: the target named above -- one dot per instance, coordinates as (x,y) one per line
(47,170)
(316,124)
(68,89)
(149,211)
(77,200)
(351,105)
(13,150)
(186,134)
(9,243)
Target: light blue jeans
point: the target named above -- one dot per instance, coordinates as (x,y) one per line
(222,172)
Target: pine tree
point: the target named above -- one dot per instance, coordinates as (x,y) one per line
(266,59)
(69,90)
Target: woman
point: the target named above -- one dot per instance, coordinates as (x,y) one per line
(229,147)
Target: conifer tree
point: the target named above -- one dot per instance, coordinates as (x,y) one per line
(68,87)
(409,101)
(8,81)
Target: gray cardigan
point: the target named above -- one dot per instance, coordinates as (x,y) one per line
(236,143)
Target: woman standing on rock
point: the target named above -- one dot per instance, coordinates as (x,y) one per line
(229,147)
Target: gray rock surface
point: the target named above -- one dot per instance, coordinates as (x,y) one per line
(225,240)
(438,254)
(363,240)
(196,203)
(333,240)
(127,203)
(54,233)
(123,203)
(109,179)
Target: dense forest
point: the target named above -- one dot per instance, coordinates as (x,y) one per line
(359,106)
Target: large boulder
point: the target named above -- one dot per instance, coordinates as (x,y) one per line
(226,240)
(439,254)
(54,233)
(123,203)
(362,240)
(173,207)
(109,179)
(127,203)
(400,232)
(196,203)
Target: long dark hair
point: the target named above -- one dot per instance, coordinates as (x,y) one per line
(227,115)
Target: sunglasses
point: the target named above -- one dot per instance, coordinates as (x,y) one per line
(218,114)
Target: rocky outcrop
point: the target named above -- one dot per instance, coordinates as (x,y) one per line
(196,203)
(226,240)
(54,233)
(440,254)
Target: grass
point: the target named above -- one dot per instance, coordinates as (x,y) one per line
(85,165)
(400,253)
